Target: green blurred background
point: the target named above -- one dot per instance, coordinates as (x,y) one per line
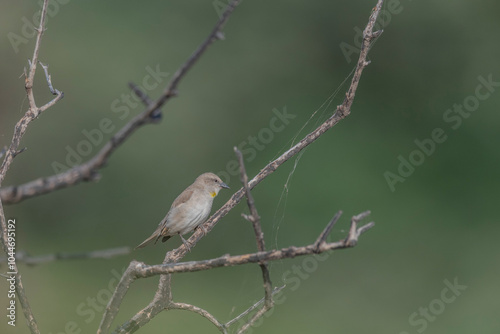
(438,226)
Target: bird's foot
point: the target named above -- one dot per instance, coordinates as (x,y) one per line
(203,229)
(184,241)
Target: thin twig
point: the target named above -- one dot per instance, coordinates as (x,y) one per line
(22,257)
(140,270)
(49,79)
(254,318)
(156,114)
(326,232)
(251,308)
(19,152)
(19,130)
(352,238)
(254,218)
(200,311)
(230,261)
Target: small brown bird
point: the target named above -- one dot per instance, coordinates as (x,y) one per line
(189,210)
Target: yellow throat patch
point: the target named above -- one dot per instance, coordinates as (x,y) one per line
(213,193)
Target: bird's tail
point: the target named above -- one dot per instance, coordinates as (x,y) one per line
(155,236)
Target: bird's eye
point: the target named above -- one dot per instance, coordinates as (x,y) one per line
(216,180)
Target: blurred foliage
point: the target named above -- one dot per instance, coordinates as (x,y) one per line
(439,224)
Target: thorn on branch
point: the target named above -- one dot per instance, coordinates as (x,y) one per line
(377,33)
(92,175)
(155,115)
(220,35)
(19,152)
(247,217)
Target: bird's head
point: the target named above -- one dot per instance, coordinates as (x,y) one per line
(212,183)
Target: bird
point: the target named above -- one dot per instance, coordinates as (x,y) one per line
(189,210)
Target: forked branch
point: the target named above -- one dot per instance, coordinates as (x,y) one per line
(254,218)
(20,129)
(138,270)
(163,296)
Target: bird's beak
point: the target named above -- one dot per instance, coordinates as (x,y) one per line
(223,185)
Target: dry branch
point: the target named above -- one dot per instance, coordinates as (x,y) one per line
(259,236)
(251,308)
(140,270)
(163,295)
(89,171)
(31,114)
(341,112)
(23,257)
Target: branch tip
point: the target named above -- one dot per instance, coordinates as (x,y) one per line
(377,33)
(326,231)
(220,36)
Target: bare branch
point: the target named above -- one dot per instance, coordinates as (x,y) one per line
(354,232)
(170,264)
(22,257)
(88,171)
(19,131)
(140,270)
(33,111)
(254,318)
(121,289)
(230,261)
(163,296)
(200,311)
(251,308)
(140,319)
(254,216)
(322,237)
(259,236)
(156,114)
(19,152)
(49,79)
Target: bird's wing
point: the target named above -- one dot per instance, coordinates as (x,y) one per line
(174,210)
(182,198)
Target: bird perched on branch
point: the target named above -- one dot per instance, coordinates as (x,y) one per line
(189,210)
